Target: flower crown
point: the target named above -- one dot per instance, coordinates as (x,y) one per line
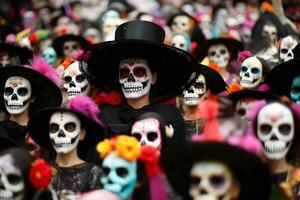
(79,56)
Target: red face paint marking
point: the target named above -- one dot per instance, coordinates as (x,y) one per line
(14,84)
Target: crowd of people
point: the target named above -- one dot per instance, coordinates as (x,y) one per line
(149,100)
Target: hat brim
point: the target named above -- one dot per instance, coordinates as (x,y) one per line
(58,42)
(252,94)
(38,127)
(248,169)
(173,66)
(280,78)
(234,47)
(214,81)
(46,92)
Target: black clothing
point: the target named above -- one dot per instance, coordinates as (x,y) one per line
(193,127)
(12,134)
(119,119)
(69,181)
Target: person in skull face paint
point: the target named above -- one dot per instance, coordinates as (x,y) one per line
(276,124)
(286,46)
(144,65)
(70,131)
(204,83)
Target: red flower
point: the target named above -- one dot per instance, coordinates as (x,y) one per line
(32,37)
(150,156)
(40,174)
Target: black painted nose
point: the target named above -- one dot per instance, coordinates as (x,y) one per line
(131,78)
(14,97)
(61,133)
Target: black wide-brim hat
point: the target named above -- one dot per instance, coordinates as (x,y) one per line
(247,168)
(59,41)
(23,53)
(45,91)
(141,39)
(280,78)
(251,94)
(38,127)
(12,134)
(214,81)
(234,47)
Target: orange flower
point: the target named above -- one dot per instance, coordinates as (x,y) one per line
(234,87)
(40,174)
(214,66)
(104,148)
(267,7)
(128,148)
(67,62)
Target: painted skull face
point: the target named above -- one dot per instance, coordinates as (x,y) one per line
(270,31)
(181,24)
(17,95)
(147,132)
(50,56)
(196,92)
(180,42)
(286,48)
(120,176)
(75,79)
(92,35)
(219,54)
(11,179)
(210,180)
(275,130)
(70,48)
(64,131)
(295,91)
(135,77)
(251,73)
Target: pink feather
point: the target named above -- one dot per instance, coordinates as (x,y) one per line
(10,38)
(244,55)
(82,55)
(252,113)
(39,64)
(86,106)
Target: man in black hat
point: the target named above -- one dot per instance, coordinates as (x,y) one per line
(145,70)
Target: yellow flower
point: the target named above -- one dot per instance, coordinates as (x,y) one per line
(104,148)
(128,148)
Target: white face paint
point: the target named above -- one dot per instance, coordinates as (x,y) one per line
(70,48)
(17,94)
(270,31)
(75,79)
(180,42)
(109,27)
(210,181)
(219,54)
(286,48)
(135,77)
(11,179)
(196,92)
(4,59)
(147,132)
(251,73)
(275,130)
(181,24)
(64,131)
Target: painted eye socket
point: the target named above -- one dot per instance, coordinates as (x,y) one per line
(122,172)
(8,91)
(181,45)
(213,53)
(106,171)
(22,92)
(13,179)
(137,136)
(285,129)
(284,51)
(183,24)
(124,73)
(217,181)
(80,78)
(75,46)
(66,47)
(152,136)
(199,85)
(68,79)
(244,68)
(241,112)
(54,128)
(255,70)
(223,51)
(195,180)
(139,72)
(265,129)
(296,89)
(70,127)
